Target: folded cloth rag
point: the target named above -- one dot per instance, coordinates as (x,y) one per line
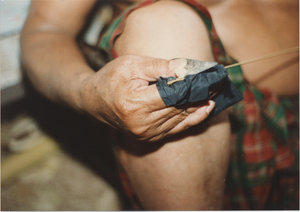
(212,83)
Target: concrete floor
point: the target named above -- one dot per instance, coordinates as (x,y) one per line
(80,175)
(58,182)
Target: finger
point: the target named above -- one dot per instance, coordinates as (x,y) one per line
(150,69)
(154,101)
(151,95)
(194,118)
(177,116)
(164,114)
(174,124)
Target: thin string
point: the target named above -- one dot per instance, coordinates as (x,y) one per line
(275,54)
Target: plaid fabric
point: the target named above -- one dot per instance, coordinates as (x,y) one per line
(264,167)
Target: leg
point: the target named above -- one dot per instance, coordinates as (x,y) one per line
(185,172)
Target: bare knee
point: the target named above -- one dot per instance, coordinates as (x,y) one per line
(165,29)
(186,172)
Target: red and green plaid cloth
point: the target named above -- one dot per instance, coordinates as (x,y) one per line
(264,168)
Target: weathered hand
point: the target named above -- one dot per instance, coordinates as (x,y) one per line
(120,95)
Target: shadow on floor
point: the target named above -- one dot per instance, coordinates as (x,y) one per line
(81,137)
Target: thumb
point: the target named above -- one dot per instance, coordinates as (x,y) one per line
(150,69)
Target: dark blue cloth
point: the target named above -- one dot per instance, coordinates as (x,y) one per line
(196,87)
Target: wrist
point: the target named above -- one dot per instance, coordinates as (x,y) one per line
(77,90)
(87,99)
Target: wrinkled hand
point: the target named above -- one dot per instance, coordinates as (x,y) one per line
(120,95)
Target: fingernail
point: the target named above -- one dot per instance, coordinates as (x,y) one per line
(177,63)
(210,107)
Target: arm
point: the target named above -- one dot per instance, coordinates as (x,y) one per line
(52,59)
(118,94)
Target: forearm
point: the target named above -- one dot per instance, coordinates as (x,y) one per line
(119,94)
(50,54)
(55,65)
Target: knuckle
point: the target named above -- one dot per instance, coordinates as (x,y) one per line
(125,108)
(126,60)
(157,137)
(186,126)
(157,64)
(128,65)
(131,114)
(140,133)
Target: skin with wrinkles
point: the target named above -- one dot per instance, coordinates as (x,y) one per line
(136,107)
